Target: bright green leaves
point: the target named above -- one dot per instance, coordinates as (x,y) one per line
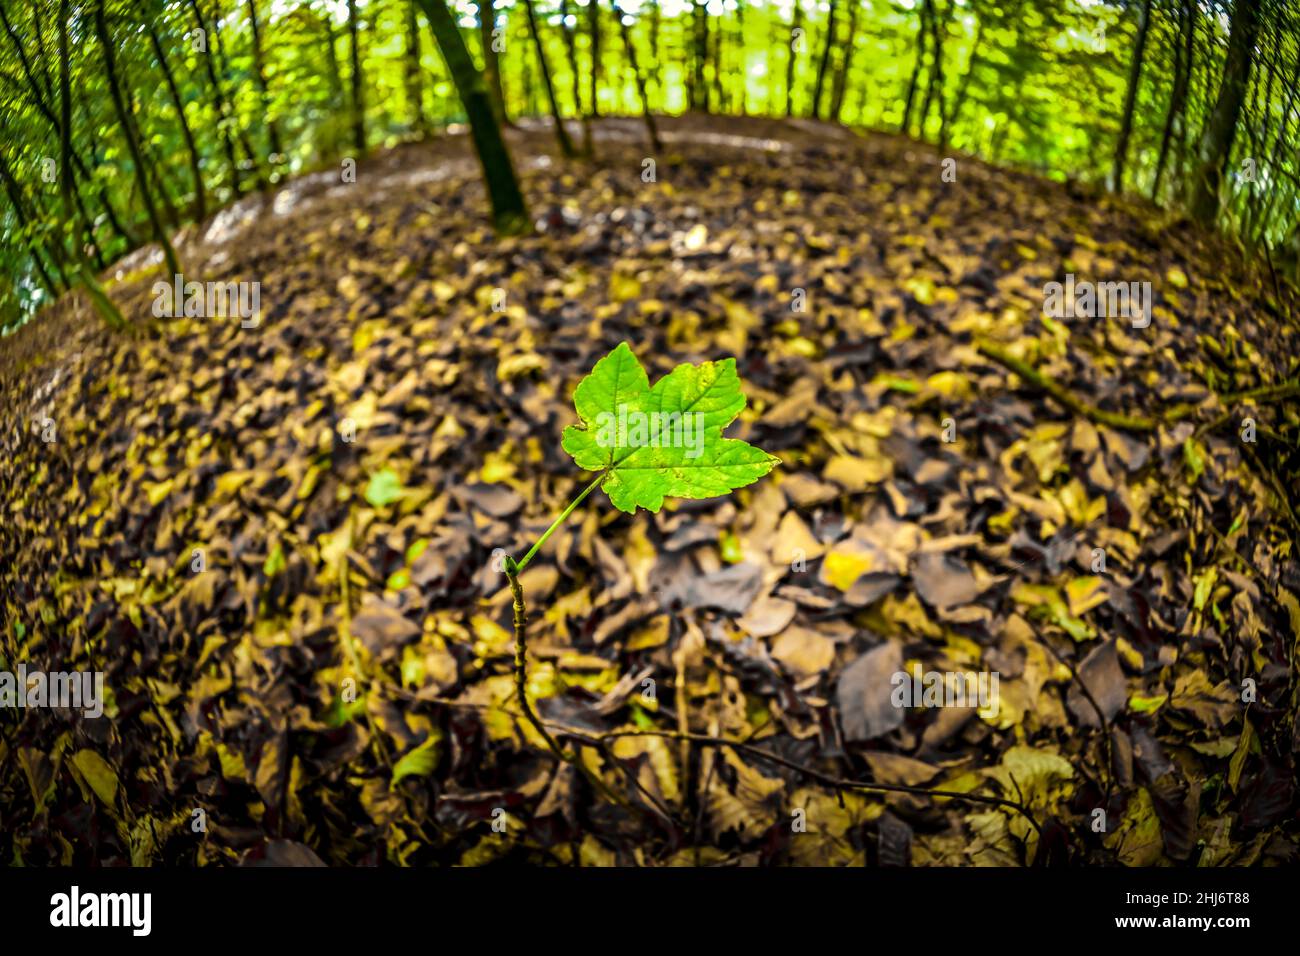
(665,441)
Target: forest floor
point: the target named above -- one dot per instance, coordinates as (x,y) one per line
(932,510)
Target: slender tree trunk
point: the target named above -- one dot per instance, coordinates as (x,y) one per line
(656,25)
(79,272)
(334,75)
(721,106)
(593,30)
(561,134)
(132,142)
(1185,121)
(825,62)
(1130,98)
(906,126)
(259,74)
(964,87)
(699,89)
(571,45)
(487,19)
(1220,130)
(200,208)
(791,61)
(78,167)
(43,60)
(1262,218)
(575,77)
(934,88)
(22,217)
(413,77)
(846,62)
(223,68)
(1178,95)
(509,213)
(626,31)
(357,81)
(222,105)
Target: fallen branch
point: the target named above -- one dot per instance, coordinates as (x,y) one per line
(600,741)
(1133,423)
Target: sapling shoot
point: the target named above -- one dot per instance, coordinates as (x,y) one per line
(645,444)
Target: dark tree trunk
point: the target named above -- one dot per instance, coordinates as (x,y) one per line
(934,88)
(487,19)
(1174,116)
(792,59)
(846,63)
(825,62)
(651,131)
(1130,98)
(133,142)
(593,30)
(357,82)
(561,134)
(222,105)
(78,167)
(23,218)
(698,91)
(200,208)
(413,74)
(79,272)
(963,89)
(571,45)
(1221,129)
(906,126)
(509,214)
(259,74)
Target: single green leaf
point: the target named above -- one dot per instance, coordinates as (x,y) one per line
(663,441)
(420,761)
(384,488)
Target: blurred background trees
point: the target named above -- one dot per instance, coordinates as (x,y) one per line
(178,107)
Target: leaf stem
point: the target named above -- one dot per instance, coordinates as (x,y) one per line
(558,521)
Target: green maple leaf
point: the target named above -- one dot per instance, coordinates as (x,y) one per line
(665,441)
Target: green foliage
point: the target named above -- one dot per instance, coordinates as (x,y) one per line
(1034,83)
(666,441)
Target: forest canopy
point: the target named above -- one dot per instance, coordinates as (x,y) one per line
(1189,104)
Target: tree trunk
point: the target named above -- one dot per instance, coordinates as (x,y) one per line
(699,90)
(133,142)
(1221,129)
(593,30)
(571,45)
(487,21)
(200,208)
(79,272)
(20,214)
(906,126)
(357,82)
(793,58)
(934,88)
(1178,95)
(1130,98)
(509,214)
(963,89)
(222,105)
(414,84)
(259,74)
(846,62)
(561,134)
(651,131)
(825,62)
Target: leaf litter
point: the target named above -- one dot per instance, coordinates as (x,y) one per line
(336,684)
